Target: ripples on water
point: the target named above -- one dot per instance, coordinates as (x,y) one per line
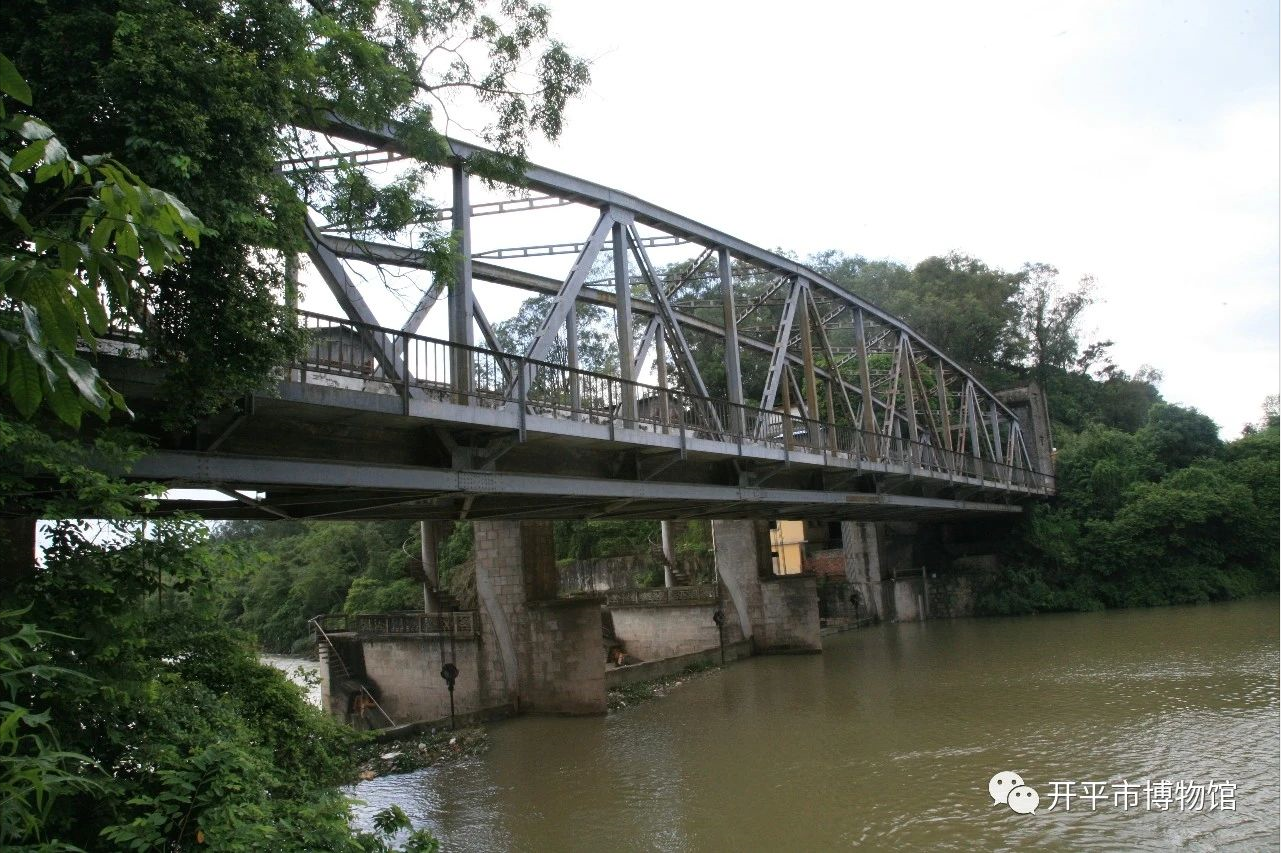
(888,739)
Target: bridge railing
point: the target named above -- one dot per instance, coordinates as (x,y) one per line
(410,365)
(460,624)
(660,596)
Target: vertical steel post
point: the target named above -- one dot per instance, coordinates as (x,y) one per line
(831,415)
(913,428)
(404,378)
(941,388)
(865,383)
(460,292)
(571,341)
(807,358)
(998,454)
(972,418)
(733,371)
(623,292)
(664,404)
(787,413)
(669,554)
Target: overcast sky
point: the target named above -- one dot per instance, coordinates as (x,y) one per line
(1133,141)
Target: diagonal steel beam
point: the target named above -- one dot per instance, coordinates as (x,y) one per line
(778,358)
(491,338)
(833,367)
(568,294)
(351,301)
(651,329)
(425,303)
(685,358)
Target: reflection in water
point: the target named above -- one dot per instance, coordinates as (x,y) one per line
(889,739)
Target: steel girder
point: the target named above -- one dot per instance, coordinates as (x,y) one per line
(900,387)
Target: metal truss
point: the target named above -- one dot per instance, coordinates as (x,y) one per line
(818,359)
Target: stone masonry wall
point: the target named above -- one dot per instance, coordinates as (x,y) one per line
(860,542)
(562,663)
(738,563)
(544,654)
(830,563)
(663,631)
(407,671)
(790,604)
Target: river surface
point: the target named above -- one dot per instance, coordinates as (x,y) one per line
(305,673)
(888,740)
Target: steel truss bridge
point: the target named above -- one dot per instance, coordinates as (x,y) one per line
(744,384)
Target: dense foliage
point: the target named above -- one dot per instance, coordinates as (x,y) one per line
(134,717)
(79,233)
(1162,515)
(131,715)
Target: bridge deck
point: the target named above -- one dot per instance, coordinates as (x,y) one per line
(338,439)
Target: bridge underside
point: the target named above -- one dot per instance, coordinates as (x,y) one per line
(315,451)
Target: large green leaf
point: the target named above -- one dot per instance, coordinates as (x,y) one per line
(31,128)
(66,404)
(11,82)
(24,384)
(84,377)
(29,156)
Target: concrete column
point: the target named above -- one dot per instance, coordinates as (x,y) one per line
(778,614)
(540,653)
(669,554)
(431,577)
(861,544)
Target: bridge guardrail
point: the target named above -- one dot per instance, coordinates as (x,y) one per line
(459,624)
(655,596)
(415,365)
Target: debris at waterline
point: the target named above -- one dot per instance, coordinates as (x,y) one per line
(414,752)
(442,746)
(643,691)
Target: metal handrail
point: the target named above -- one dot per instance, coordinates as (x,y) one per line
(597,398)
(662,595)
(462,623)
(315,622)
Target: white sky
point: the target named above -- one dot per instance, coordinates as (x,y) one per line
(1136,141)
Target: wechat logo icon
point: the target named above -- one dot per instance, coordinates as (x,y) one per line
(1007,788)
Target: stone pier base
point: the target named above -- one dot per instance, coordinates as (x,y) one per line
(543,654)
(778,613)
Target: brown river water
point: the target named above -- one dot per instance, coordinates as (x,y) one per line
(888,741)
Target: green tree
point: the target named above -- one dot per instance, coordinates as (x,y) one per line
(1049,318)
(1176,437)
(202,98)
(971,311)
(76,236)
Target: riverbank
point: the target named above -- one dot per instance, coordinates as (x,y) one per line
(380,756)
(428,748)
(628,695)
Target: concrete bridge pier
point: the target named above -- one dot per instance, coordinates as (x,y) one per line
(540,654)
(778,613)
(907,572)
(861,544)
